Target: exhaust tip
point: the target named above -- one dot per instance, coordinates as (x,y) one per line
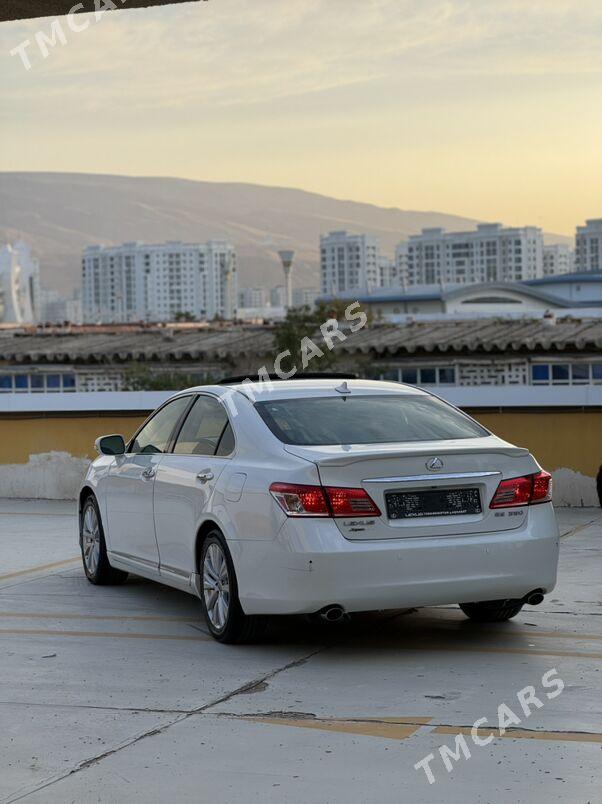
(534,598)
(332,614)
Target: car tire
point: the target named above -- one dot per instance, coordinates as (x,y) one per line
(492,611)
(223,613)
(94,549)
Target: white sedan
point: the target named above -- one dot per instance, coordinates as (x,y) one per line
(319,496)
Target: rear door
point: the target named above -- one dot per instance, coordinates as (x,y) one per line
(185,484)
(130,486)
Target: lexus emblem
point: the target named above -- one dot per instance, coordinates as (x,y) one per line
(434,464)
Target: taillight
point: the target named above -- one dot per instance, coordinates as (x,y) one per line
(525,490)
(299,500)
(296,500)
(351,502)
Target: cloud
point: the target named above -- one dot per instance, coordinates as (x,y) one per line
(242,53)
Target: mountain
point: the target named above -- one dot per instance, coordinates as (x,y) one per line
(58,214)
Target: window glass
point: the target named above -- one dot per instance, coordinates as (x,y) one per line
(447,375)
(391,375)
(428,376)
(53,382)
(580,372)
(226,444)
(410,376)
(68,381)
(540,373)
(155,435)
(321,421)
(560,372)
(597,372)
(6,382)
(203,428)
(21,382)
(37,382)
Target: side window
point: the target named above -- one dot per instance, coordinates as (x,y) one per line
(155,435)
(203,428)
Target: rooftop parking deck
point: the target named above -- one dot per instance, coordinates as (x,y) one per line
(117,693)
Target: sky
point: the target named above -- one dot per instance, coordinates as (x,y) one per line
(490,109)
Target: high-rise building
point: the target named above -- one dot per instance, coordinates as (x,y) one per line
(401,264)
(305,297)
(138,282)
(491,253)
(349,262)
(19,284)
(278,296)
(557,259)
(253,297)
(588,246)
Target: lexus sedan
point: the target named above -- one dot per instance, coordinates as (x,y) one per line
(319,496)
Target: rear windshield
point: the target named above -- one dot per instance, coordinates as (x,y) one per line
(323,421)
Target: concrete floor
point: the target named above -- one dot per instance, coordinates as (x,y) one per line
(117,694)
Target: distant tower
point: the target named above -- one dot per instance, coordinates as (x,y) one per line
(286,258)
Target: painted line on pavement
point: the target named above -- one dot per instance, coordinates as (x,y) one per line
(9,615)
(104,634)
(39,568)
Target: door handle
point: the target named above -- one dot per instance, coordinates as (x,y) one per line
(205,475)
(149,473)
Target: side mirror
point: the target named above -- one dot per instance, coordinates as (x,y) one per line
(110,445)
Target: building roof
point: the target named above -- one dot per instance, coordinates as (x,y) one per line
(256,344)
(566,279)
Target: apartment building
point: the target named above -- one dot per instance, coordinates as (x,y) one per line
(557,259)
(588,246)
(139,282)
(349,262)
(490,253)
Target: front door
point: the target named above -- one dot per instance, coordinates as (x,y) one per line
(130,486)
(185,484)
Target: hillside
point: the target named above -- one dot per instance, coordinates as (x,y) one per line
(60,213)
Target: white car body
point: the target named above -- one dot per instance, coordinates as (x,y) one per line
(156,509)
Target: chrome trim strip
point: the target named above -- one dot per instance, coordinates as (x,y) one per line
(433,476)
(133,559)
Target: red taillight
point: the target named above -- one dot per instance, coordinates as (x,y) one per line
(526,490)
(298,500)
(351,502)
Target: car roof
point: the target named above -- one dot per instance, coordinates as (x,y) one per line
(286,389)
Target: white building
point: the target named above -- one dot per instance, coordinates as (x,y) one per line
(254,297)
(278,296)
(491,253)
(588,242)
(305,297)
(19,284)
(349,262)
(401,264)
(56,309)
(557,259)
(138,282)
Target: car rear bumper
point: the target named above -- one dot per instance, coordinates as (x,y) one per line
(311,565)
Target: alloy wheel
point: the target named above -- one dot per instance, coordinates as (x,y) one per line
(216,586)
(91,539)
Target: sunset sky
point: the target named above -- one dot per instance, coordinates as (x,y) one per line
(486,108)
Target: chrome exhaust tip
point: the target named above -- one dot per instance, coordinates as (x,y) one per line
(332,614)
(534,598)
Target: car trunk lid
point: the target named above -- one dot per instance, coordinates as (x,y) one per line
(461,476)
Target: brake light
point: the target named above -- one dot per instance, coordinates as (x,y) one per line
(351,502)
(301,500)
(525,490)
(296,500)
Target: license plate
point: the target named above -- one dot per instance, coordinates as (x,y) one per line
(432,502)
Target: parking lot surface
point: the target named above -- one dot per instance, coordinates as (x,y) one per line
(118,694)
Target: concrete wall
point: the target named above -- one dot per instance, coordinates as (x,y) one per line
(45,454)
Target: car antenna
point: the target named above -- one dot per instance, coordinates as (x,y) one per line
(343,388)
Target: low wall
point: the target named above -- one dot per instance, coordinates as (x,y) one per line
(44,451)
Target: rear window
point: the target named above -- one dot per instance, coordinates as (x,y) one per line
(324,421)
